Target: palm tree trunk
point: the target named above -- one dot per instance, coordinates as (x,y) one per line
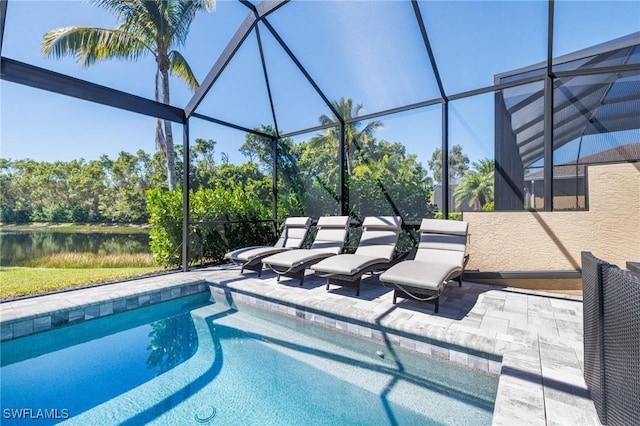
(160,141)
(348,136)
(171,162)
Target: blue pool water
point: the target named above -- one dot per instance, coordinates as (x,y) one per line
(193,362)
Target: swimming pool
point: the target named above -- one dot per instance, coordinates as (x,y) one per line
(189,361)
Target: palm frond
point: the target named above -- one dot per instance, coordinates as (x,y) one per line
(138,16)
(339,106)
(127,12)
(184,11)
(326,120)
(371,127)
(157,13)
(180,68)
(90,45)
(476,185)
(117,7)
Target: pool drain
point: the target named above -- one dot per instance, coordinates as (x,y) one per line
(205,414)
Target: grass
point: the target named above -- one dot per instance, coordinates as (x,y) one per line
(19,281)
(93,261)
(68,270)
(78,228)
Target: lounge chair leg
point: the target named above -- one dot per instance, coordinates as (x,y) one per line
(302,279)
(395,296)
(460,281)
(256,267)
(437,302)
(327,284)
(278,279)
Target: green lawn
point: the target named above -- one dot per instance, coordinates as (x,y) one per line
(68,270)
(18,281)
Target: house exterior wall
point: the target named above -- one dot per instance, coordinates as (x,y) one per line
(552,241)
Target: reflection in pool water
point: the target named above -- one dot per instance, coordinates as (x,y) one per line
(79,367)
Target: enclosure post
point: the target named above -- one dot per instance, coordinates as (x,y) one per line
(3,16)
(274,185)
(185,196)
(445,160)
(548,116)
(344,180)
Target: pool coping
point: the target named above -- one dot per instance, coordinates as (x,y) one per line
(540,376)
(23,317)
(474,358)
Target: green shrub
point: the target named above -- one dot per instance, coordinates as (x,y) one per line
(206,241)
(452,215)
(165,217)
(488,207)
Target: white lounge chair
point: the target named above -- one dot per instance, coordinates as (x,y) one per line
(374,253)
(440,258)
(292,237)
(329,241)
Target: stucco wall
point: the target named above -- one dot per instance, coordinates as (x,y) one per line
(552,241)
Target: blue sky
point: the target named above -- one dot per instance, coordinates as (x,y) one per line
(377,59)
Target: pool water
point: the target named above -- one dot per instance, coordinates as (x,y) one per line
(193,362)
(79,367)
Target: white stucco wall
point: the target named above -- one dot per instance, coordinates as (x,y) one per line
(552,241)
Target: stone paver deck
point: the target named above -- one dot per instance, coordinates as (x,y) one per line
(538,338)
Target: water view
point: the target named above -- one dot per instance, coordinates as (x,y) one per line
(18,248)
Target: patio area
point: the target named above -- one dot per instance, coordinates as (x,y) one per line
(277,109)
(533,340)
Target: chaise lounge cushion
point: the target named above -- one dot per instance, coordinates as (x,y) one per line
(235,254)
(292,258)
(329,241)
(349,264)
(440,257)
(247,255)
(293,235)
(424,275)
(376,247)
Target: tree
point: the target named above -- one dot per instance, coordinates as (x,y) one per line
(258,149)
(126,183)
(476,185)
(353,138)
(290,182)
(202,163)
(388,181)
(458,163)
(155,27)
(173,340)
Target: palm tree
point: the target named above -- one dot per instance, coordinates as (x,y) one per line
(352,136)
(476,185)
(155,27)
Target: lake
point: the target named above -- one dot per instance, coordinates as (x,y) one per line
(17,248)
